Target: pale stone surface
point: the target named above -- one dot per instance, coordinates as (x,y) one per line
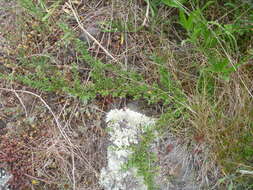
(4,178)
(124,127)
(179,168)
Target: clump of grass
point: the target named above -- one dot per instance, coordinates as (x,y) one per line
(220,116)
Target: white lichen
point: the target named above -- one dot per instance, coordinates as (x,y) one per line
(4,178)
(124,127)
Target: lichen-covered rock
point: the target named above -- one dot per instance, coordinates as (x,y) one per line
(179,166)
(124,127)
(4,178)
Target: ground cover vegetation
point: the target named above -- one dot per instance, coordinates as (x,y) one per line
(189,62)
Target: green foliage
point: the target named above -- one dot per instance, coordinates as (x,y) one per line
(39,9)
(105,79)
(153,6)
(32,8)
(174,3)
(143,159)
(120,83)
(210,36)
(230,182)
(221,67)
(206,84)
(167,83)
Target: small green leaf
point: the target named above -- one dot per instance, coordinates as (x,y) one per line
(174,3)
(230,186)
(183,20)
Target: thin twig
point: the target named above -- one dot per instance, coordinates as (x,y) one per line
(88,34)
(146,15)
(73,170)
(39,179)
(56,121)
(246,172)
(21,102)
(47,106)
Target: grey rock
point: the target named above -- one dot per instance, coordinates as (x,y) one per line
(4,178)
(2,124)
(94,31)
